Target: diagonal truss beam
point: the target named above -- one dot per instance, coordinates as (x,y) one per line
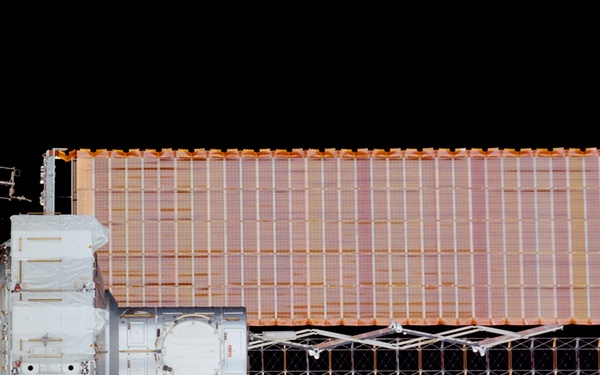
(416,339)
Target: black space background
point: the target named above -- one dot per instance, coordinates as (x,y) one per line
(300,75)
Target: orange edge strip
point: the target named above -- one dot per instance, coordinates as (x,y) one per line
(427,153)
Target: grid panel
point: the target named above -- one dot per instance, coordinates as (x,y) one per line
(540,356)
(352,238)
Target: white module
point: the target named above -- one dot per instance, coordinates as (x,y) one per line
(51,319)
(210,341)
(56,317)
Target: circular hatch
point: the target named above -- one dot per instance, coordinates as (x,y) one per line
(191,346)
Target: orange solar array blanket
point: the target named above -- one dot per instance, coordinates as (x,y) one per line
(341,237)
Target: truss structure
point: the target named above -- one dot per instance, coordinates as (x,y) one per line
(535,355)
(411,338)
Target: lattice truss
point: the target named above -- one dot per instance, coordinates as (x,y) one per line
(536,355)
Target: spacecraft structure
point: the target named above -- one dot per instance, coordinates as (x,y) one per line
(57,317)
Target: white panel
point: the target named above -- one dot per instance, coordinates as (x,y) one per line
(56,275)
(39,299)
(235,352)
(75,229)
(70,332)
(136,333)
(137,366)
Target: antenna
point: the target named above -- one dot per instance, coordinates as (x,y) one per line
(11,184)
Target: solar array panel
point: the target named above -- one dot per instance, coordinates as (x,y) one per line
(351,237)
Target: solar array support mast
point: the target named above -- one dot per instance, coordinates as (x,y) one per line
(48,179)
